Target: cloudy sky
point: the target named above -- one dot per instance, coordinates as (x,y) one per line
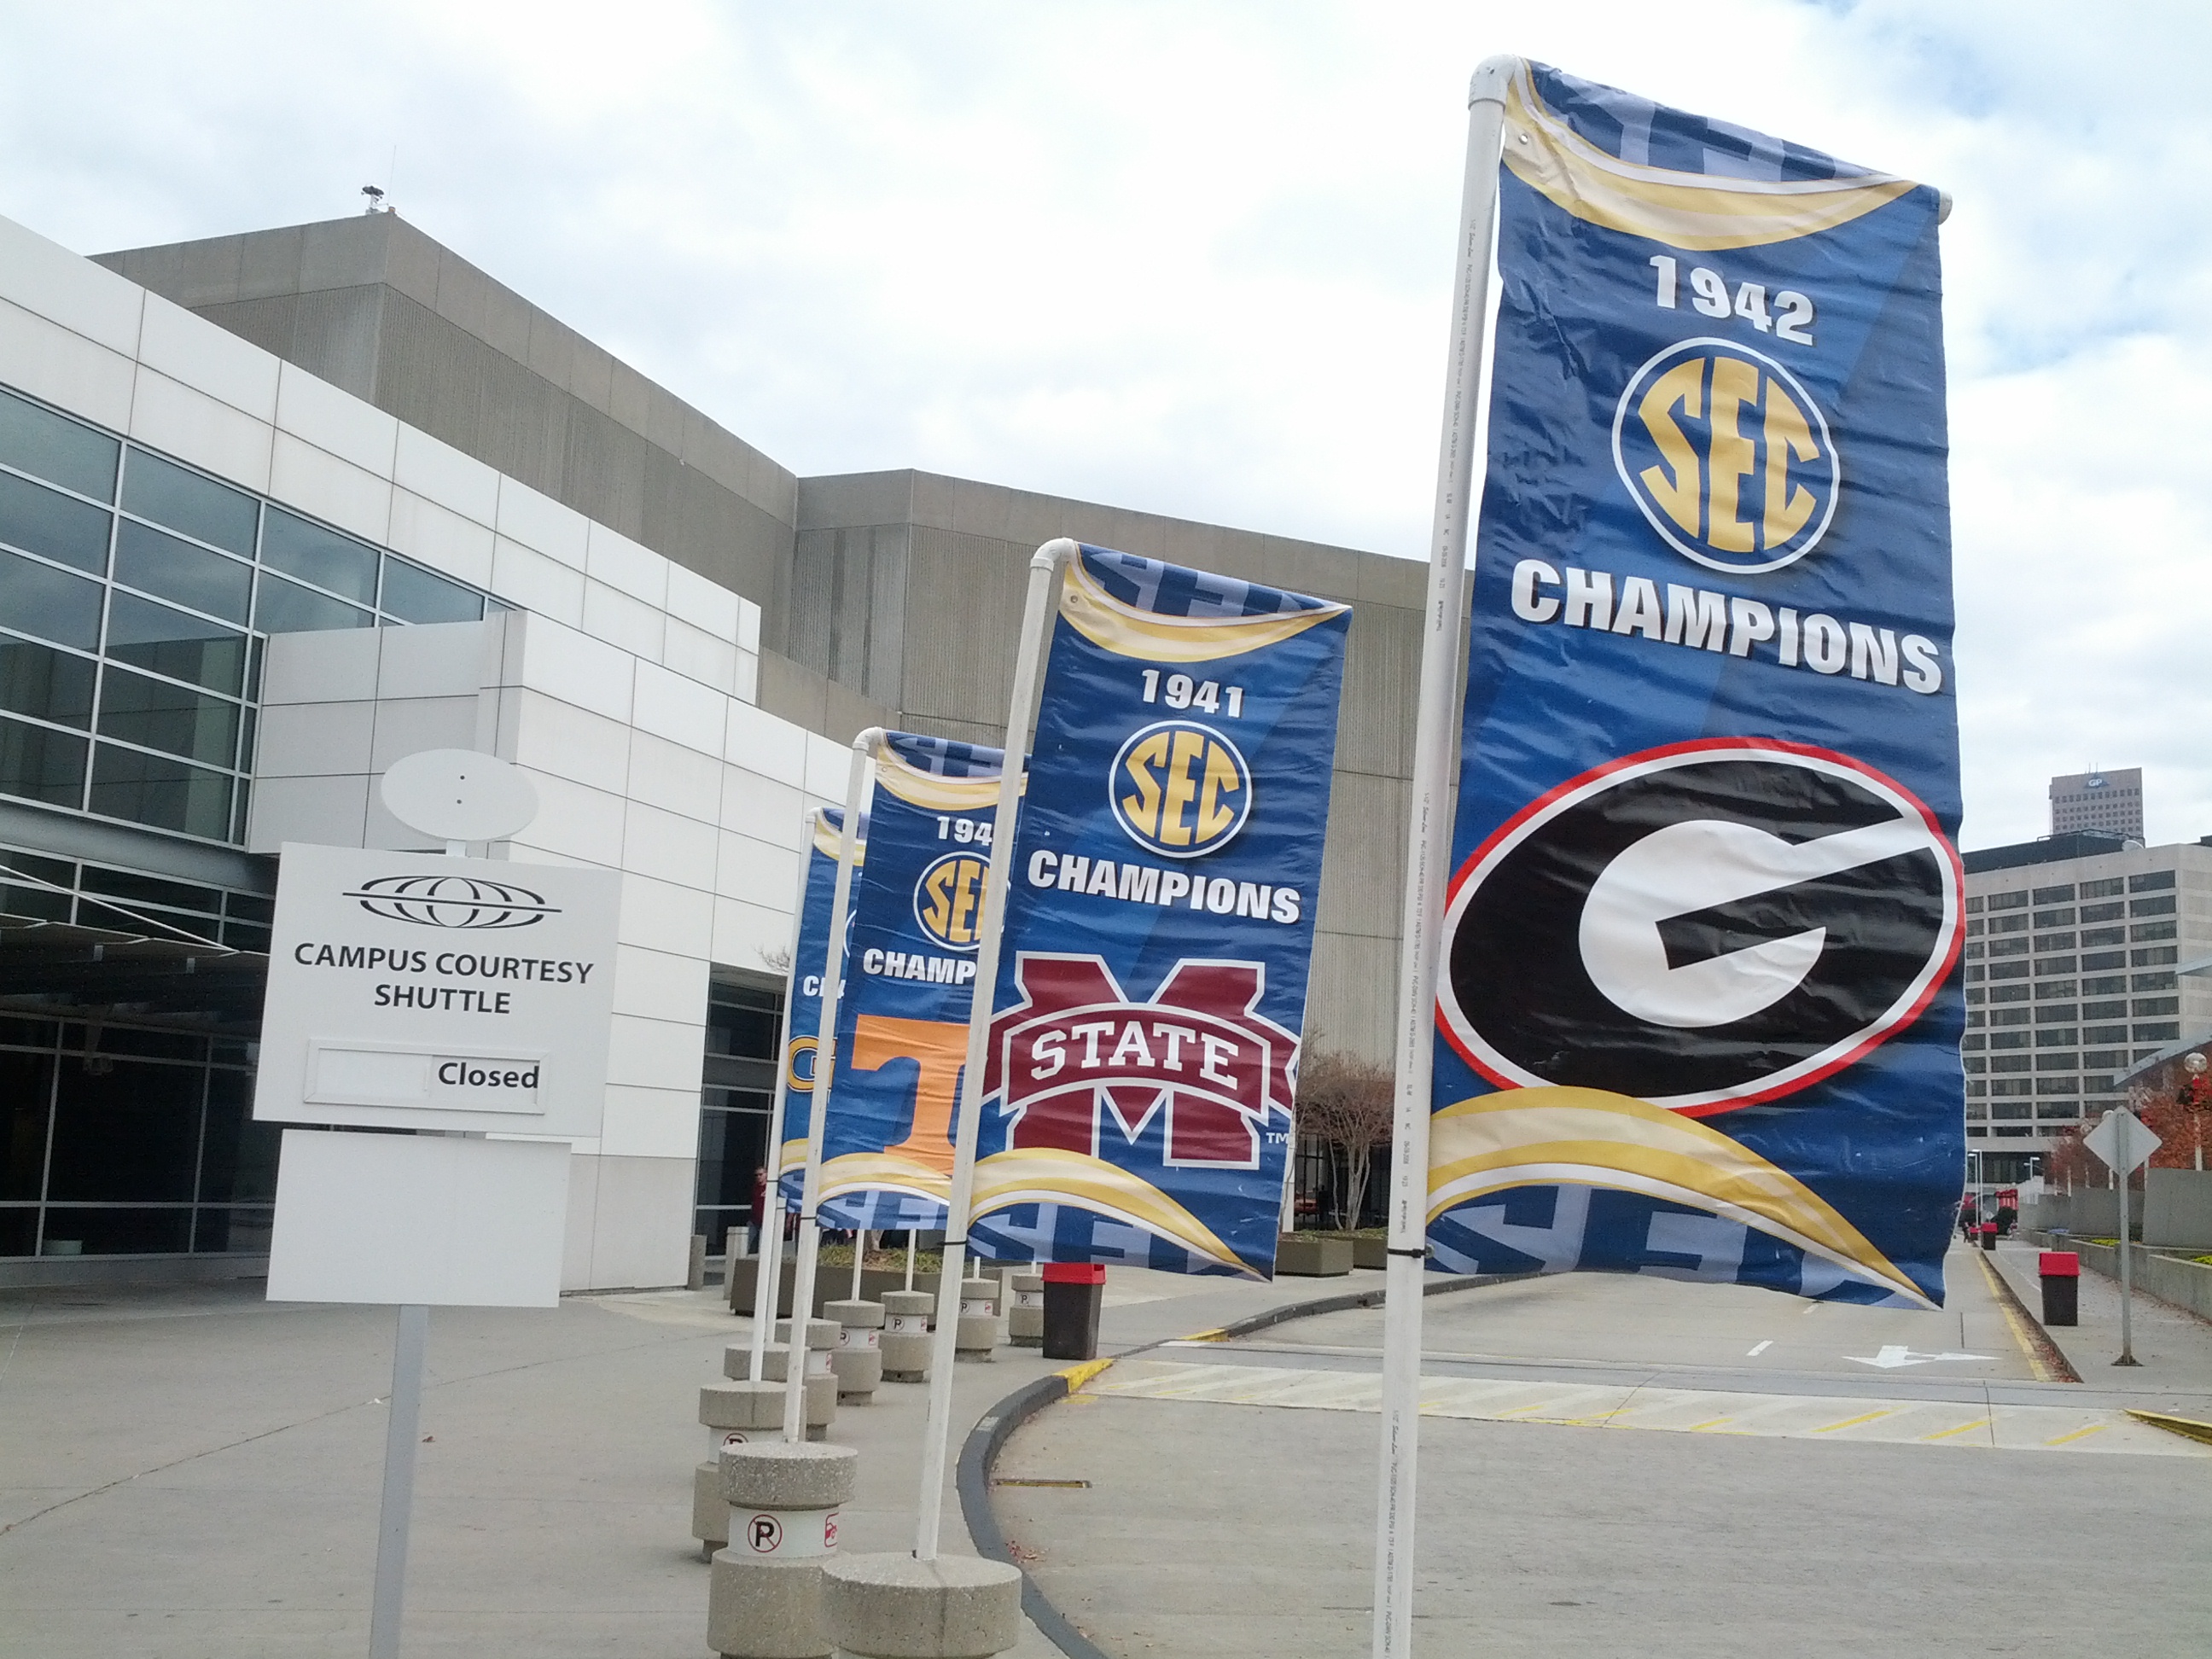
(1195,257)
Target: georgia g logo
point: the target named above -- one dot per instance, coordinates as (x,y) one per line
(1180,789)
(948,900)
(1702,926)
(1727,456)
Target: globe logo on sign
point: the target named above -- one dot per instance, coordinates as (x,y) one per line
(453,902)
(948,901)
(1180,789)
(1727,456)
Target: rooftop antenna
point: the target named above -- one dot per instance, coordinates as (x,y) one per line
(375,195)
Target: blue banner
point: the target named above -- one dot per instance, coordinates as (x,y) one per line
(802,1014)
(917,912)
(1698,1015)
(1160,922)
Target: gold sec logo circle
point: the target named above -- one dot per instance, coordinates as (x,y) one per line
(948,901)
(1727,456)
(1180,789)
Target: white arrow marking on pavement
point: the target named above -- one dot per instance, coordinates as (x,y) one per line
(1761,1349)
(1896,1355)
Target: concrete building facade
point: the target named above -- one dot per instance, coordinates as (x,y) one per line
(277,509)
(2078,958)
(2102,803)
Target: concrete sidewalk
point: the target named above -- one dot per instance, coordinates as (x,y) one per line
(193,1471)
(2174,1346)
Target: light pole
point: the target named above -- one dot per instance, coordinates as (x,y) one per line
(2195,1097)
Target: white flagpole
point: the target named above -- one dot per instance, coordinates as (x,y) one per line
(767,1265)
(1428,858)
(1045,566)
(825,1072)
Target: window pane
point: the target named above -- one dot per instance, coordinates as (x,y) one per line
(119,1232)
(164,716)
(153,488)
(45,683)
(413,594)
(244,1232)
(42,520)
(319,556)
(38,765)
(74,457)
(19,1231)
(178,570)
(238,1163)
(165,793)
(37,599)
(287,608)
(150,636)
(126,1131)
(24,1094)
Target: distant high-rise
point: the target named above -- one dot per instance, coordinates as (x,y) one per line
(2108,802)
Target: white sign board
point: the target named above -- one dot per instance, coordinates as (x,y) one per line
(433,1219)
(407,990)
(2123,1140)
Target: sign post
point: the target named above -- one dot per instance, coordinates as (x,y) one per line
(447,998)
(2125,1142)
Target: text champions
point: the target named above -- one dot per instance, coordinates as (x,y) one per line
(1146,883)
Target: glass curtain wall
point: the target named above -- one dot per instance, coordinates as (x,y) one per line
(135,594)
(742,1023)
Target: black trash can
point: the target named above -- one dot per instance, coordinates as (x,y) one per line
(1074,1293)
(1989,1232)
(2060,1272)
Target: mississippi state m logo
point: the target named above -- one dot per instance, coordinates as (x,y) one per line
(1080,1067)
(1727,456)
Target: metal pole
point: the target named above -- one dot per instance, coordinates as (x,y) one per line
(767,1263)
(859,1249)
(1428,858)
(402,1431)
(1045,565)
(2123,1149)
(911,1234)
(825,1074)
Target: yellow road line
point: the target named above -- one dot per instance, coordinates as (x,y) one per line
(1853,1422)
(1699,1428)
(2078,1434)
(1945,1434)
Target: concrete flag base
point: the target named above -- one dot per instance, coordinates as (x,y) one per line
(1025,1310)
(858,1358)
(906,1335)
(893,1607)
(764,1596)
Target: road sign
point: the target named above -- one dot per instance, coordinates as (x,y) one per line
(2123,1140)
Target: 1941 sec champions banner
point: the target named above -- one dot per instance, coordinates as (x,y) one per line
(1160,922)
(1696,1015)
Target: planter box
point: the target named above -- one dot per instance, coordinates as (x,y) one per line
(830,1284)
(1312,1256)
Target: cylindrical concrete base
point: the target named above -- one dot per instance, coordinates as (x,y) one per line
(858,1358)
(710,1510)
(893,1607)
(906,1335)
(764,1600)
(977,1337)
(1025,1314)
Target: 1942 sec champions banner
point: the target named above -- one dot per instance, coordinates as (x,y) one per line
(802,1011)
(1695,1013)
(1160,922)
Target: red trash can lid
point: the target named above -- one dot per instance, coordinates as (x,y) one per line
(1075,1272)
(2059,1264)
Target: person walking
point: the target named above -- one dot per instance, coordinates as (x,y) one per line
(753,1233)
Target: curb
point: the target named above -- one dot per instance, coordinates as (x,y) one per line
(979,1451)
(2044,1355)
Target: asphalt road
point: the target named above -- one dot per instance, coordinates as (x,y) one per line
(1636,1468)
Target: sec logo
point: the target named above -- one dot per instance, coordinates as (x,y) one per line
(1701,927)
(1727,456)
(948,900)
(1181,789)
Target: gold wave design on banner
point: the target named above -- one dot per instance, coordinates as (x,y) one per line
(1109,624)
(794,1158)
(831,842)
(1691,210)
(864,1171)
(925,789)
(1592,1138)
(1048,1174)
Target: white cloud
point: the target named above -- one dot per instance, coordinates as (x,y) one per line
(1194,257)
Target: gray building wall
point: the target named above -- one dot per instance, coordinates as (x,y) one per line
(889,599)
